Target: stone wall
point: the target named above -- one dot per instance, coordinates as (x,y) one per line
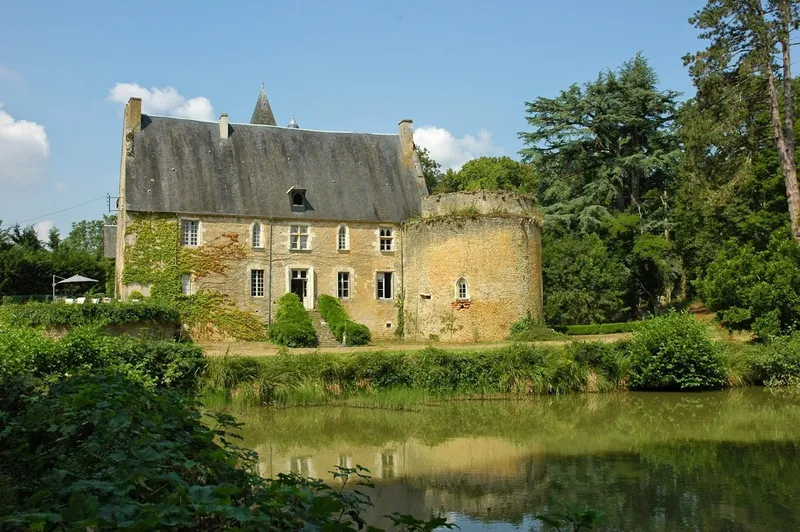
(498,254)
(323,261)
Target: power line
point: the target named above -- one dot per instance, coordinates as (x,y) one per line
(20,222)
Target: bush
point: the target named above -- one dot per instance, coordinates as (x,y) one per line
(674,351)
(25,353)
(528,329)
(102,453)
(292,327)
(758,291)
(777,363)
(340,324)
(63,315)
(605,359)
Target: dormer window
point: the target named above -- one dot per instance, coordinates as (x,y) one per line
(297,198)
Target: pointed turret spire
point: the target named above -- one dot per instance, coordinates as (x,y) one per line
(262,114)
(293,123)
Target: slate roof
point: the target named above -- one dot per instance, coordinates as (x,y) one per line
(182,166)
(262,114)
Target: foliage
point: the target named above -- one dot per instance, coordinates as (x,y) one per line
(101,453)
(516,370)
(28,355)
(583,283)
(158,260)
(431,170)
(61,314)
(529,329)
(339,322)
(777,363)
(27,267)
(601,328)
(293,326)
(674,351)
(488,173)
(576,517)
(756,290)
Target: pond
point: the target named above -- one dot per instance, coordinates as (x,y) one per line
(725,460)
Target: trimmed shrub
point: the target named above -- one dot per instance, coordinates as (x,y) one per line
(528,329)
(340,323)
(292,327)
(600,328)
(674,351)
(63,315)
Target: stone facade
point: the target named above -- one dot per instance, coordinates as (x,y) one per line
(460,267)
(488,242)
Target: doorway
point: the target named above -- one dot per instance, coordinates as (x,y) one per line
(299,285)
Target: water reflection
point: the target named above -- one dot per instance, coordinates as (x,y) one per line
(709,461)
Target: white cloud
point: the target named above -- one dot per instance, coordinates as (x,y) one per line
(165,101)
(60,186)
(451,151)
(24,150)
(6,74)
(42,228)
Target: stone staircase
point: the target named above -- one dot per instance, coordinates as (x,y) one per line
(324,334)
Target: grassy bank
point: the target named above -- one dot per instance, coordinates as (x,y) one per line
(672,353)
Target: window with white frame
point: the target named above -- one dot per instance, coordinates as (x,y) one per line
(257,283)
(383,283)
(386,239)
(189,232)
(342,240)
(298,237)
(343,285)
(186,284)
(255,237)
(462,291)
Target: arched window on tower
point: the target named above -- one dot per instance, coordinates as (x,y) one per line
(462,290)
(343,240)
(255,239)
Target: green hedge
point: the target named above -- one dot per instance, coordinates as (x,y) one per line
(292,327)
(26,355)
(340,323)
(600,328)
(61,314)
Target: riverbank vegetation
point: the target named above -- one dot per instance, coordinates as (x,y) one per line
(671,352)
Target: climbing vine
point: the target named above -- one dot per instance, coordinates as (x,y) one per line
(157,259)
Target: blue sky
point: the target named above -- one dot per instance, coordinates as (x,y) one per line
(461,70)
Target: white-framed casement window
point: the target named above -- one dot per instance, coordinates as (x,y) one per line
(298,237)
(255,235)
(190,230)
(384,285)
(386,238)
(343,238)
(462,289)
(343,285)
(186,284)
(257,283)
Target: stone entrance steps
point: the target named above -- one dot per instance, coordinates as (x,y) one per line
(324,334)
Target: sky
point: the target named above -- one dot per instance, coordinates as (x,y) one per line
(461,70)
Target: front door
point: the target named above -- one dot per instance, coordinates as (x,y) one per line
(299,286)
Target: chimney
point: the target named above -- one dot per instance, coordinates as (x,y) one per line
(223,126)
(133,123)
(133,115)
(407,136)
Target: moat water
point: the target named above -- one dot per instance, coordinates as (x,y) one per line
(650,461)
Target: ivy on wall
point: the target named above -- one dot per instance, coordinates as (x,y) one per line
(157,259)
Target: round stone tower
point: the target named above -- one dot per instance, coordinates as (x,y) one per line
(472,266)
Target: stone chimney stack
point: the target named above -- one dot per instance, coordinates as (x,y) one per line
(133,123)
(224,130)
(406,127)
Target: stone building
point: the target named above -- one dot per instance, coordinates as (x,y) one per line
(253,211)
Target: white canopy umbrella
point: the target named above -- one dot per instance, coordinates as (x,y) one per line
(73,279)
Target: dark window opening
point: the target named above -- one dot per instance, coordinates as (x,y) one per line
(297,199)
